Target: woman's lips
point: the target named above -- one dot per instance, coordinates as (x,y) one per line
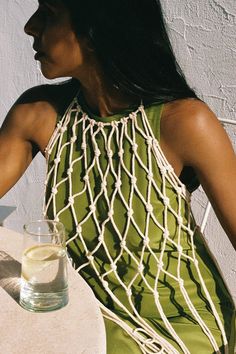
(38,55)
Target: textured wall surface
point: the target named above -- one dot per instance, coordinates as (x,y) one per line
(203,33)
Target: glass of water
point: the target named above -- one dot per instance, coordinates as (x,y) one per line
(44,284)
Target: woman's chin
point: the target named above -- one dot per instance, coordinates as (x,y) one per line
(50,75)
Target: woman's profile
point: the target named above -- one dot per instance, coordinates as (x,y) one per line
(126,141)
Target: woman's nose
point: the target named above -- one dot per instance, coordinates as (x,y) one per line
(32,27)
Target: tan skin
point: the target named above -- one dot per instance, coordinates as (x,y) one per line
(191,135)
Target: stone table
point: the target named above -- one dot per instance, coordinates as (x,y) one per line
(78,328)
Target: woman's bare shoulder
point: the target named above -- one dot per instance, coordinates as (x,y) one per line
(186,111)
(33,116)
(188,130)
(191,130)
(187,118)
(57,96)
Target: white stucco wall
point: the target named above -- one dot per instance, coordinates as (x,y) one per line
(203,33)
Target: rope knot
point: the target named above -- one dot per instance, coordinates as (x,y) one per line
(180,249)
(101,238)
(118,183)
(114,123)
(132,115)
(149,208)
(83,146)
(146,241)
(73,139)
(54,190)
(141,268)
(129,292)
(92,207)
(133,180)
(135,147)
(79,228)
(63,129)
(97,152)
(166,201)
(130,212)
(69,171)
(123,244)
(163,170)
(149,141)
(101,124)
(104,185)
(90,257)
(71,200)
(110,153)
(170,169)
(124,120)
(57,160)
(114,267)
(166,234)
(110,213)
(179,190)
(150,176)
(155,143)
(121,152)
(86,179)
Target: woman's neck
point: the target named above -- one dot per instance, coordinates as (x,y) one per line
(106,103)
(101,96)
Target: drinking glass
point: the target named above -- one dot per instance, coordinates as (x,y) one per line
(44,281)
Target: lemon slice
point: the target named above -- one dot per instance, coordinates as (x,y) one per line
(43,252)
(37,258)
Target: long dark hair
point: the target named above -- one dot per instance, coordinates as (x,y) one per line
(132,45)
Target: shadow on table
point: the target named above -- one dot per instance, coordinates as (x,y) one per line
(10,271)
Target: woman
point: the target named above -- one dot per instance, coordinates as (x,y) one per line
(131,142)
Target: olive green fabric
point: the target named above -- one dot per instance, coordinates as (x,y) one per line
(171,297)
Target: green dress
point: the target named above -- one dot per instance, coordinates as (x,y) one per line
(130,233)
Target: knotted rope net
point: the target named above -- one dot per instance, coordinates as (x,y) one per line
(76,131)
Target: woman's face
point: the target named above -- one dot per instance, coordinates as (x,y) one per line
(58,50)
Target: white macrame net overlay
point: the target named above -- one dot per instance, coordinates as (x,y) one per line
(145,336)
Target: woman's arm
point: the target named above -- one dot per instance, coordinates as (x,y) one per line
(29,126)
(193,136)
(25,131)
(16,148)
